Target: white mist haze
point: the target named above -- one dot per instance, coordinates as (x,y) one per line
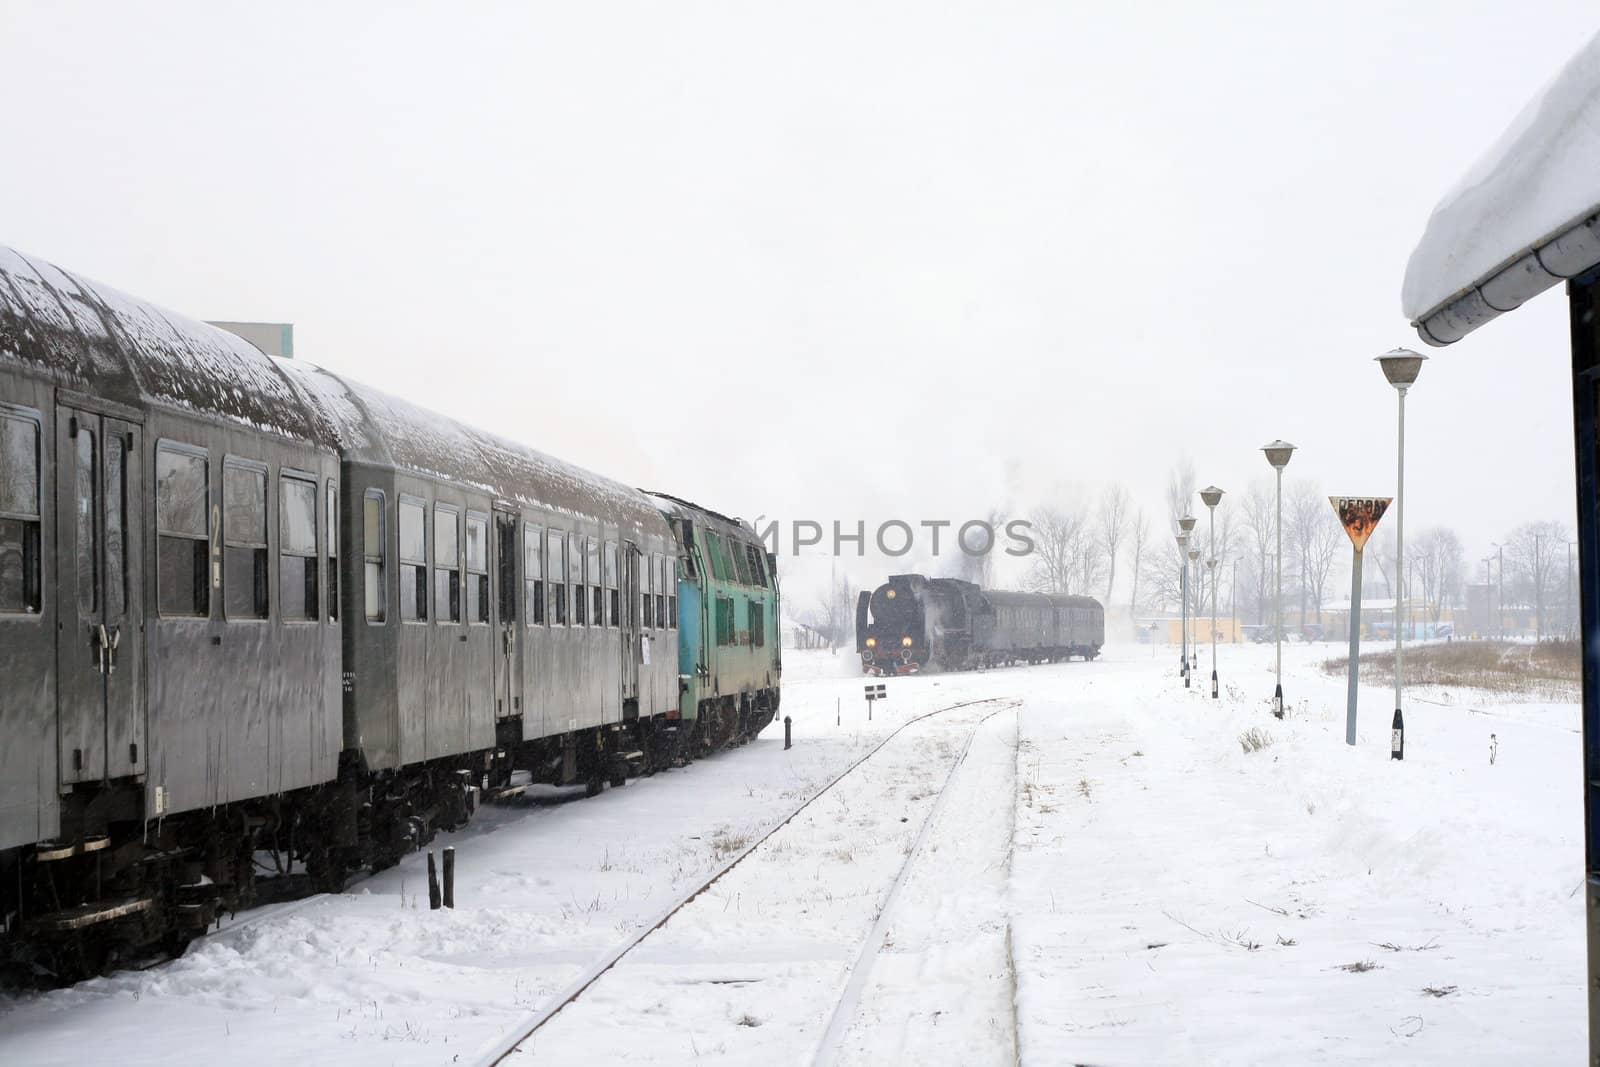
(826,261)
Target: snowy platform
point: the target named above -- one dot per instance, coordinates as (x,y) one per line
(1110,878)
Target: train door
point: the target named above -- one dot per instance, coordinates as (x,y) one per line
(632,644)
(508,661)
(99,590)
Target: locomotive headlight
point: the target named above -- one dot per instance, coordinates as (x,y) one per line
(906,642)
(872,642)
(891,594)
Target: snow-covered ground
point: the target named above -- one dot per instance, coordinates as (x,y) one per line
(1110,878)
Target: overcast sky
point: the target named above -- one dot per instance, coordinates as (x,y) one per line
(829,260)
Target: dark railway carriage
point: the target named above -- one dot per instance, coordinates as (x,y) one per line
(912,622)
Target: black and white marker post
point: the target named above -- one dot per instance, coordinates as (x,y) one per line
(875,692)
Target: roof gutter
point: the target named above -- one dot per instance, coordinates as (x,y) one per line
(1573,250)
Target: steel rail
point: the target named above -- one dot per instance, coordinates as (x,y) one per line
(492,1054)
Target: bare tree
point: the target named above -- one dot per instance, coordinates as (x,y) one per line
(1112,520)
(979,570)
(834,614)
(1532,553)
(1180,489)
(1437,567)
(1066,553)
(1317,536)
(1138,540)
(1260,533)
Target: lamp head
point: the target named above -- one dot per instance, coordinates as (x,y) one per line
(1186,523)
(1278,453)
(1401,366)
(1211,496)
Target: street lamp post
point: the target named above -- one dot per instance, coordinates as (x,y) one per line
(1194,616)
(1400,367)
(1183,612)
(1278,453)
(1212,496)
(1185,537)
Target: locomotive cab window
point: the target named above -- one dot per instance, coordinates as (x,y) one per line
(413,561)
(725,623)
(533,573)
(446,564)
(21,517)
(477,568)
(244,541)
(374,556)
(297,549)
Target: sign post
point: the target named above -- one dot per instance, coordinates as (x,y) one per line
(1359,516)
(875,692)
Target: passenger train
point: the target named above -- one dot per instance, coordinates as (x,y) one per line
(912,623)
(256,614)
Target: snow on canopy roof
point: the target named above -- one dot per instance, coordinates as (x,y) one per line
(375,427)
(1522,219)
(88,336)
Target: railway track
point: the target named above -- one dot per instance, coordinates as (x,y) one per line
(526,1028)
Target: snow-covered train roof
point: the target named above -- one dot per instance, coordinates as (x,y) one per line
(1525,217)
(372,426)
(90,337)
(93,338)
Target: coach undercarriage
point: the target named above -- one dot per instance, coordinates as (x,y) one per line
(116,888)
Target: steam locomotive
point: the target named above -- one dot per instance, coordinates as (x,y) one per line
(913,623)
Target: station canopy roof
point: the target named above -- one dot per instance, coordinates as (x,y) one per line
(1525,217)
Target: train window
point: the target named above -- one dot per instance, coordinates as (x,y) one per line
(446,564)
(333,550)
(21,517)
(758,623)
(533,572)
(183,532)
(613,597)
(87,498)
(413,561)
(719,567)
(244,541)
(297,549)
(374,550)
(725,624)
(558,577)
(581,579)
(740,567)
(477,569)
(672,592)
(758,569)
(591,566)
(647,581)
(661,591)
